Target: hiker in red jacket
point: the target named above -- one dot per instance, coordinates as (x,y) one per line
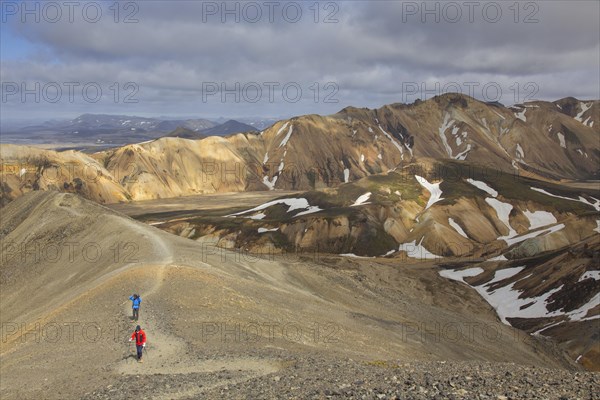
(140,341)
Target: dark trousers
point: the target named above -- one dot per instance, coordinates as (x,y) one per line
(136,313)
(139,348)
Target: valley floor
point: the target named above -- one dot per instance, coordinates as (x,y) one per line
(163,209)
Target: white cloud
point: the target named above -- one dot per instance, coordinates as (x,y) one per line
(369,54)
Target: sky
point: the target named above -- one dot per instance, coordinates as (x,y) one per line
(284,58)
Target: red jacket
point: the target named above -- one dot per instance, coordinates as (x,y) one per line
(140,337)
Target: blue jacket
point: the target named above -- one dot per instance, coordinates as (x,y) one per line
(136,302)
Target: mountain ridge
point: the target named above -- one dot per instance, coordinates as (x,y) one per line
(313,151)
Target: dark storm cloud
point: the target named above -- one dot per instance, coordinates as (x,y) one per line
(375,50)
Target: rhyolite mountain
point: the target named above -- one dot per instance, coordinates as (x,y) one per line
(548,140)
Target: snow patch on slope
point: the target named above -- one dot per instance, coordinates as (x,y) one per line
(460,275)
(584,108)
(510,240)
(520,153)
(457,227)
(503,211)
(590,274)
(292,203)
(417,251)
(483,186)
(353,255)
(442,131)
(538,219)
(463,155)
(270,183)
(580,313)
(282,128)
(362,199)
(506,300)
(287,137)
(433,188)
(507,303)
(521,115)
(581,199)
(393,142)
(561,140)
(264,230)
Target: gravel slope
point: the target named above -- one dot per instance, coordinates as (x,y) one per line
(366,311)
(313,377)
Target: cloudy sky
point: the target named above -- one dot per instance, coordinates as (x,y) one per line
(234,59)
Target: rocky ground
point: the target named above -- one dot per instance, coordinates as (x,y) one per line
(383,328)
(313,377)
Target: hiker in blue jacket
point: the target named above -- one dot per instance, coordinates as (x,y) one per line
(136,300)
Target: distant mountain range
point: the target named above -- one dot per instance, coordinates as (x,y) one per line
(227,128)
(258,123)
(115,130)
